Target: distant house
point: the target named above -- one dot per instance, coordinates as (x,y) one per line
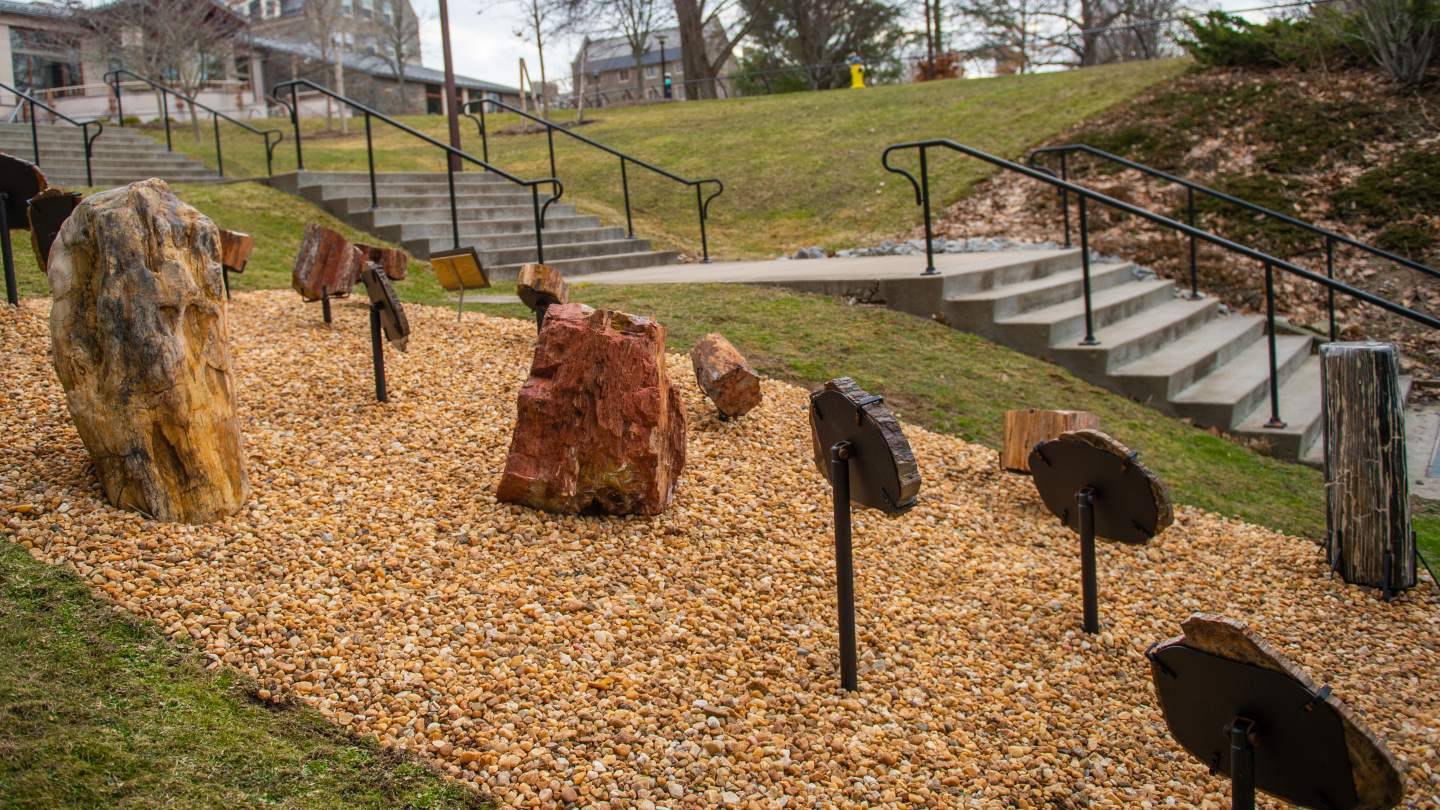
(610,69)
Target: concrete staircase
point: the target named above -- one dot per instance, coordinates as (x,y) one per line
(120,155)
(495,218)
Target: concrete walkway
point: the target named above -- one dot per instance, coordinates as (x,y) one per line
(780,271)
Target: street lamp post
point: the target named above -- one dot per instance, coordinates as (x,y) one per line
(664,88)
(451,97)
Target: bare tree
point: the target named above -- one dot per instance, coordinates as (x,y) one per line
(543,19)
(635,20)
(325,26)
(398,29)
(703,59)
(1008,31)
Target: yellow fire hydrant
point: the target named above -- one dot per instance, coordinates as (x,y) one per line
(857,75)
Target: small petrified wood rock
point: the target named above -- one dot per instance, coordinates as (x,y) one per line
(142,349)
(540,285)
(326,262)
(47,211)
(724,376)
(20,180)
(1377,778)
(235,250)
(600,426)
(393,262)
(1028,427)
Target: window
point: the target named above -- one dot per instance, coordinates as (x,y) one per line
(347,7)
(624,74)
(43,60)
(367,8)
(651,71)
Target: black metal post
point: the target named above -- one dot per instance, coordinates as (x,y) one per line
(89,150)
(1085,504)
(704,240)
(165,113)
(295,123)
(844,563)
(539,238)
(484,138)
(119,107)
(1242,764)
(269,155)
(1065,196)
(454,214)
(1089,339)
(1194,264)
(225,275)
(370,151)
(550,140)
(1330,273)
(625,187)
(1275,422)
(34,134)
(325,305)
(12,289)
(377,353)
(219,156)
(925,201)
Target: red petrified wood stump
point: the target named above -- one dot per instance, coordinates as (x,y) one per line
(326,263)
(391,261)
(600,426)
(724,376)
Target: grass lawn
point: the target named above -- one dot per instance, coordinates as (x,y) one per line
(799,169)
(99,710)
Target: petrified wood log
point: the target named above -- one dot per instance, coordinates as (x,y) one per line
(47,211)
(326,262)
(1377,778)
(540,285)
(393,262)
(600,426)
(235,250)
(1028,427)
(1367,493)
(724,376)
(19,181)
(142,349)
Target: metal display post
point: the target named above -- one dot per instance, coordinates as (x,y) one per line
(377,353)
(12,289)
(840,455)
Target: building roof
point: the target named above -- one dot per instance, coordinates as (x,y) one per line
(613,53)
(378,67)
(30,9)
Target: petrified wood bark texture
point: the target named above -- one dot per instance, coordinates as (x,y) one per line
(392,261)
(540,285)
(1367,493)
(1378,782)
(1028,427)
(47,211)
(600,426)
(724,376)
(142,350)
(326,262)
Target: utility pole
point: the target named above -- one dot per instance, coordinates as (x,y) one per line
(664,81)
(452,99)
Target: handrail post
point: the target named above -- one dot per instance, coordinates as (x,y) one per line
(219,156)
(1330,273)
(1194,272)
(269,155)
(370,151)
(484,136)
(1274,422)
(539,237)
(34,134)
(550,138)
(454,214)
(1065,196)
(295,122)
(625,187)
(165,114)
(1089,339)
(119,107)
(704,241)
(925,201)
(85,136)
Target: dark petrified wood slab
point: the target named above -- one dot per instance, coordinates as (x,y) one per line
(235,249)
(1131,503)
(392,312)
(19,181)
(1309,749)
(391,261)
(883,471)
(326,262)
(47,211)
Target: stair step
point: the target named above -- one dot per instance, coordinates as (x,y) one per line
(1162,374)
(1228,395)
(1300,407)
(573,268)
(1040,330)
(998,303)
(1134,337)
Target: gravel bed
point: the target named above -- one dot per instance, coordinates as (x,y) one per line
(686,660)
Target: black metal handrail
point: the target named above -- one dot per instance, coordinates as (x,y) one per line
(557,188)
(922,198)
(35,135)
(112,77)
(702,206)
(1191,187)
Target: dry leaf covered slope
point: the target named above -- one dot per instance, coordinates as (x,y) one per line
(687,659)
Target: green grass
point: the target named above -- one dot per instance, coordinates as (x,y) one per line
(799,169)
(99,710)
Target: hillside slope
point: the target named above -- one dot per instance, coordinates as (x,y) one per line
(799,169)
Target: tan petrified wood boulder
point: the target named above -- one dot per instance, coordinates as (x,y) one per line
(142,350)
(600,428)
(724,376)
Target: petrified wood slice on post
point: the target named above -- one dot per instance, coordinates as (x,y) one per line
(392,313)
(47,211)
(235,250)
(1367,493)
(600,427)
(724,376)
(142,349)
(540,285)
(20,180)
(326,262)
(393,262)
(1377,779)
(1028,427)
(906,471)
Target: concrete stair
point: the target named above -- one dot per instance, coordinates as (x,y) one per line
(120,155)
(495,218)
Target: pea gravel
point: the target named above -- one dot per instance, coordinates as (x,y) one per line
(686,660)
